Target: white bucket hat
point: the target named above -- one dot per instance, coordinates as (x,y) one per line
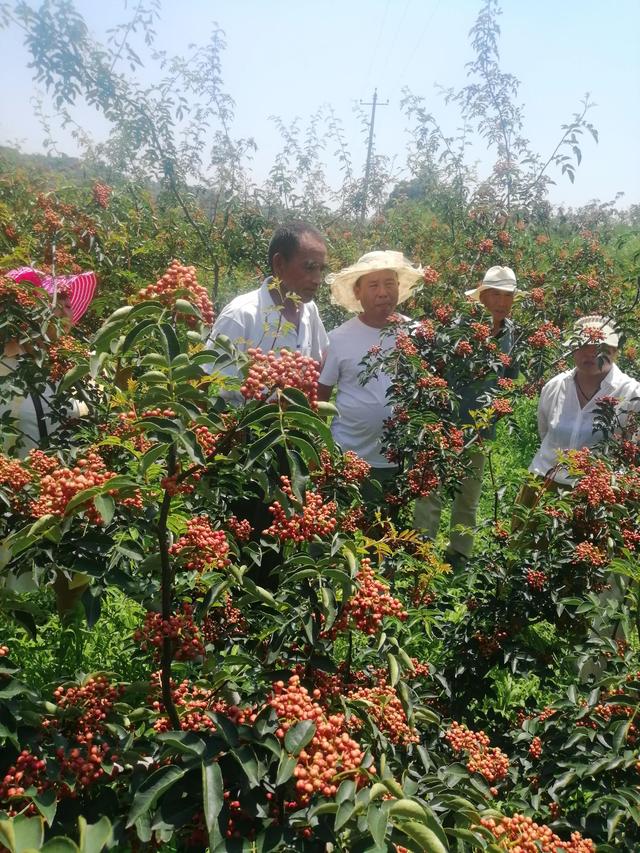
(593,329)
(342,283)
(495,278)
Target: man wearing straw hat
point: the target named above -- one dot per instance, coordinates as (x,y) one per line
(372,288)
(496,292)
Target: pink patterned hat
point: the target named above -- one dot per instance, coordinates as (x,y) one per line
(79,288)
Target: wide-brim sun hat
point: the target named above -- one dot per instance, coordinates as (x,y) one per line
(495,278)
(343,282)
(593,330)
(80,288)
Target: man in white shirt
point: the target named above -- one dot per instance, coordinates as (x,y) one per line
(281,313)
(373,287)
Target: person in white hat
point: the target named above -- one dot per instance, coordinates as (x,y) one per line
(496,292)
(568,402)
(372,288)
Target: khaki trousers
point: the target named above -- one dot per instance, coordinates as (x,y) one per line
(426,515)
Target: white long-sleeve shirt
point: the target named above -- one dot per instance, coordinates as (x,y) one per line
(563,425)
(254,320)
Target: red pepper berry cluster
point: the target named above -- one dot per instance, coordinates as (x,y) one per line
(29,771)
(315,519)
(545,336)
(424,330)
(405,345)
(223,622)
(180,628)
(62,484)
(522,834)
(194,705)
(537,295)
(506,384)
(372,601)
(535,748)
(271,371)
(480,331)
(595,483)
(352,520)
(63,354)
(85,765)
(462,349)
(331,751)
(13,477)
(385,709)
(201,548)
(20,293)
(180,282)
(93,700)
(432,383)
(41,463)
(430,276)
(536,580)
(485,246)
(585,552)
(241,529)
(490,643)
(350,468)
(504,238)
(489,761)
(422,479)
(443,313)
(207,440)
(101,194)
(501,407)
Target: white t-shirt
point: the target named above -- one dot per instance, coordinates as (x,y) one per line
(362,409)
(563,425)
(254,320)
(23,414)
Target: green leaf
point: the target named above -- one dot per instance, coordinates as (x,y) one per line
(72,376)
(59,844)
(94,837)
(152,456)
(138,330)
(286,766)
(213,800)
(20,833)
(377,821)
(171,340)
(298,736)
(106,506)
(258,447)
(343,815)
(151,789)
(429,841)
(185,307)
(47,805)
(394,670)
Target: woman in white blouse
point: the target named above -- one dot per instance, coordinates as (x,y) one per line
(568,402)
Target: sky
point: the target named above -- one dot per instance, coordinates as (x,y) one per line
(288,57)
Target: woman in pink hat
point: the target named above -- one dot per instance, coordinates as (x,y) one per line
(30,416)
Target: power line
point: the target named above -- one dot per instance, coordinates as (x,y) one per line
(417,45)
(375,49)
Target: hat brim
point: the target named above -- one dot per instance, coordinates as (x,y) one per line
(474,293)
(81,289)
(342,284)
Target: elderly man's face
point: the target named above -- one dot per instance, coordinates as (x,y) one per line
(594,359)
(497,302)
(303,273)
(378,293)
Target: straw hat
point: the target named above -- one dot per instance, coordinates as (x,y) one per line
(79,288)
(342,283)
(593,330)
(495,278)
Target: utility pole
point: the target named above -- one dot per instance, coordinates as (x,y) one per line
(367,171)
